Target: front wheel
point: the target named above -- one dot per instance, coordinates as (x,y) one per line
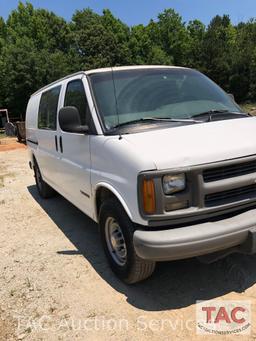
(116,231)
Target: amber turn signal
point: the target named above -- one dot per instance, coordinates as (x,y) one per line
(149,201)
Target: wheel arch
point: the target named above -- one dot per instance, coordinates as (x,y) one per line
(104,191)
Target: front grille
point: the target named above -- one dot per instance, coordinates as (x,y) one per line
(225,172)
(233,195)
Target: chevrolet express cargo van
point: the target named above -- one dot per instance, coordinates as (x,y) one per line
(160,157)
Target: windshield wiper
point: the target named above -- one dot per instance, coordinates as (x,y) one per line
(213,112)
(157,119)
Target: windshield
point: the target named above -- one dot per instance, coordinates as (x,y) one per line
(129,95)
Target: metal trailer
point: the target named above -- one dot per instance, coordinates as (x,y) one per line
(21,131)
(4,117)
(15,128)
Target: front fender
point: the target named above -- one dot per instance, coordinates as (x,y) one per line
(116,194)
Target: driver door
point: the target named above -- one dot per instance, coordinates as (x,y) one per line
(75,161)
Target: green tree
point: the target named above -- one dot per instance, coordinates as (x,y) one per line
(99,41)
(2,32)
(174,37)
(196,31)
(252,87)
(2,41)
(146,47)
(38,47)
(32,55)
(218,48)
(242,81)
(120,37)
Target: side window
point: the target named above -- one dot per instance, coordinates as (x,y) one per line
(75,97)
(48,106)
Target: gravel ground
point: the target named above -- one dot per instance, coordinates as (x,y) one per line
(56,285)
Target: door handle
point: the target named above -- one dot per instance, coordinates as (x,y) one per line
(61,146)
(56,143)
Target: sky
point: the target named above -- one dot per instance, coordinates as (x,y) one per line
(134,12)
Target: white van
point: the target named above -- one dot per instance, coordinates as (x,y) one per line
(160,157)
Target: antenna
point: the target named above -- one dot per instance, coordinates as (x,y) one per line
(117,111)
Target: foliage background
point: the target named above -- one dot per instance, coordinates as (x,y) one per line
(38,47)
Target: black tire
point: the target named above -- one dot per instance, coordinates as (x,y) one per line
(134,268)
(45,191)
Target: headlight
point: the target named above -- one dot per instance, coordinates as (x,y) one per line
(174,183)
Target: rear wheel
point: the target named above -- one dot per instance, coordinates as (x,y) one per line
(44,190)
(116,231)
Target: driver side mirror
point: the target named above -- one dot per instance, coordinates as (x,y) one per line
(232,97)
(69,120)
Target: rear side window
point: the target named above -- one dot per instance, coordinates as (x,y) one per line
(75,97)
(48,109)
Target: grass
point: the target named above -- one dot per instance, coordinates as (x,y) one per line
(2,135)
(247,107)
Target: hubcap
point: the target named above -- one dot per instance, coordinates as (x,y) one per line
(115,241)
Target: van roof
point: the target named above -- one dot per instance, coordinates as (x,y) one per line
(116,68)
(133,67)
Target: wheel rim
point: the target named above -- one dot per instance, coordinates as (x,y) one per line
(115,241)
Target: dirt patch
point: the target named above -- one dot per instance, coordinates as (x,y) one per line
(7,327)
(10,143)
(4,176)
(55,283)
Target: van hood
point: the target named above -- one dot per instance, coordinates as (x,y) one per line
(196,144)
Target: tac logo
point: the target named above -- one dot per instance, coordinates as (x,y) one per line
(223,317)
